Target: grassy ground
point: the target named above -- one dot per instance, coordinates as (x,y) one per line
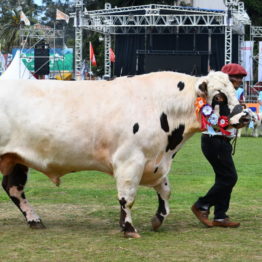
(82,216)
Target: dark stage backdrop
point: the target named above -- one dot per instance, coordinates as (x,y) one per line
(139,54)
(190,64)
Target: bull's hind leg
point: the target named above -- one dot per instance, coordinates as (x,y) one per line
(163,193)
(14,183)
(128,177)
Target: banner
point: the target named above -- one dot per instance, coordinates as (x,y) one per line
(60,59)
(23,18)
(260,62)
(247,60)
(62,16)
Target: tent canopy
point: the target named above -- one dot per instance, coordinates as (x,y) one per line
(17,69)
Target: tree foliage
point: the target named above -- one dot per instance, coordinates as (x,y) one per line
(10,20)
(254,10)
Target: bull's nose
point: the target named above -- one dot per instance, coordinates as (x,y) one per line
(245,119)
(236,110)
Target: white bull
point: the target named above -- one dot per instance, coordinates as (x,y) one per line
(130,128)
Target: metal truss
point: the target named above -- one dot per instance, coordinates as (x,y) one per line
(43,33)
(241,39)
(78,52)
(256,31)
(78,38)
(116,24)
(39,33)
(161,19)
(150,9)
(228,44)
(168,30)
(107,39)
(235,17)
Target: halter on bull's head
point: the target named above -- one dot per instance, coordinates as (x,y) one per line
(219,93)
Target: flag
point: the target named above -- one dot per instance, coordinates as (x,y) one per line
(23,18)
(112,55)
(92,55)
(246,57)
(62,16)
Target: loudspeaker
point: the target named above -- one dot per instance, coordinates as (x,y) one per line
(42,59)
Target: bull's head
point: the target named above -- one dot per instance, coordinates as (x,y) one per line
(220,94)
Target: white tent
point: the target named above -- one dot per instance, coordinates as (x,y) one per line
(17,69)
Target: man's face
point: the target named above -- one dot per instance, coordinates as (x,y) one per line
(236,80)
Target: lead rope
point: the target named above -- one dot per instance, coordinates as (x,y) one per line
(234,143)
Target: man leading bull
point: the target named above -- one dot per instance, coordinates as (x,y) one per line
(218,151)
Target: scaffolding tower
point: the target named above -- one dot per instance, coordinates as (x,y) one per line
(30,36)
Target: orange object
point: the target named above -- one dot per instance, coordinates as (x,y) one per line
(253,106)
(199,103)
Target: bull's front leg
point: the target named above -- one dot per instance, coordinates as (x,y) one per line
(163,193)
(128,177)
(14,183)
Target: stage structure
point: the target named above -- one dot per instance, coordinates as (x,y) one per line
(154,19)
(36,41)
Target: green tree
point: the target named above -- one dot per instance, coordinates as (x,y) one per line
(10,20)
(254,10)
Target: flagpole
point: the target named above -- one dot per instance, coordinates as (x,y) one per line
(54,47)
(63,51)
(90,61)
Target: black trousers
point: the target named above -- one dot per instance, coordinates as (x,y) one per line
(217,150)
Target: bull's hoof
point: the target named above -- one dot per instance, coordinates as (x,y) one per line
(156,223)
(131,235)
(36,225)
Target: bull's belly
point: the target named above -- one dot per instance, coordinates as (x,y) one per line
(154,172)
(54,164)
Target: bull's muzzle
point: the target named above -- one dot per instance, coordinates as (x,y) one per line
(244,120)
(236,110)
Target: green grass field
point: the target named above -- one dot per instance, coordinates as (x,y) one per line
(82,216)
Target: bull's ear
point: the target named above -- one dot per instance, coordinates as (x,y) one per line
(202,89)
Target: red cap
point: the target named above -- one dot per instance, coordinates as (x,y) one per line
(234,69)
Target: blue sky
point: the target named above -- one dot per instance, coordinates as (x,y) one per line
(39,2)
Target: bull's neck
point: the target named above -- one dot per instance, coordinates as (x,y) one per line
(184,112)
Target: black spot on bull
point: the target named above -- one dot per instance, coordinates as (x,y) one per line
(164,122)
(122,203)
(181,85)
(161,208)
(174,155)
(16,178)
(125,225)
(175,138)
(135,128)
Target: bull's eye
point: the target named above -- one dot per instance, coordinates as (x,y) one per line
(217,98)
